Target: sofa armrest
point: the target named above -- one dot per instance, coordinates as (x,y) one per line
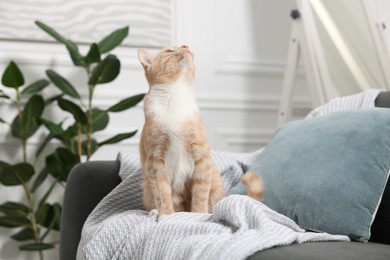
(383,99)
(88,183)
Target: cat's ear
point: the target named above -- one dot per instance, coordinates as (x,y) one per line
(145,57)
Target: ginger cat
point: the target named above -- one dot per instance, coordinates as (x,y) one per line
(179,172)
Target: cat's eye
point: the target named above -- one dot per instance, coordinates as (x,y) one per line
(169,50)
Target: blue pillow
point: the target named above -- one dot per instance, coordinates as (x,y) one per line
(328,173)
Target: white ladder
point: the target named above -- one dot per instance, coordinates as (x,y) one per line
(304,43)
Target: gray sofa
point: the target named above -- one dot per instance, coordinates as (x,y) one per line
(89,182)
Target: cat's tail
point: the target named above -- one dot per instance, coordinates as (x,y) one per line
(254,184)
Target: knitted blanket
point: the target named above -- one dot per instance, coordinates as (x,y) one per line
(364,99)
(119,228)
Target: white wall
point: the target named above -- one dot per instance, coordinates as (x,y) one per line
(240,48)
(358,66)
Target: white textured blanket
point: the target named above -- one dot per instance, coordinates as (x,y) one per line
(118,228)
(364,99)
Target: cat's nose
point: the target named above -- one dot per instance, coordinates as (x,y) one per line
(185,46)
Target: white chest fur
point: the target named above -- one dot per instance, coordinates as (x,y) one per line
(171,106)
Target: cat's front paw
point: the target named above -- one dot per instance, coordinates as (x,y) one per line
(162,217)
(153,212)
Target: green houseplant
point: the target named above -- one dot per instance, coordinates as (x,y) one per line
(32,216)
(87,118)
(35,217)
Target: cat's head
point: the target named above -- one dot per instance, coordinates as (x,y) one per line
(169,65)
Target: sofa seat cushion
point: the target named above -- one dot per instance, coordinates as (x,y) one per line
(325,251)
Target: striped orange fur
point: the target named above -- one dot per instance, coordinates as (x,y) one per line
(255,185)
(179,172)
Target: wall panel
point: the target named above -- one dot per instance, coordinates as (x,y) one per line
(85,21)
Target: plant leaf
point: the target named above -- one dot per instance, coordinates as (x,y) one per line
(36,247)
(100,119)
(40,179)
(70,132)
(118,138)
(3,121)
(71,46)
(42,212)
(93,55)
(45,142)
(106,71)
(3,164)
(74,53)
(54,128)
(32,110)
(126,103)
(42,202)
(94,146)
(35,87)
(61,162)
(74,109)
(3,95)
(57,216)
(51,32)
(113,40)
(69,135)
(12,76)
(51,218)
(12,222)
(14,209)
(62,84)
(23,235)
(52,99)
(16,174)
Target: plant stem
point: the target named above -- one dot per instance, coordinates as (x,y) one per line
(27,192)
(79,141)
(89,123)
(33,220)
(71,141)
(89,128)
(20,121)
